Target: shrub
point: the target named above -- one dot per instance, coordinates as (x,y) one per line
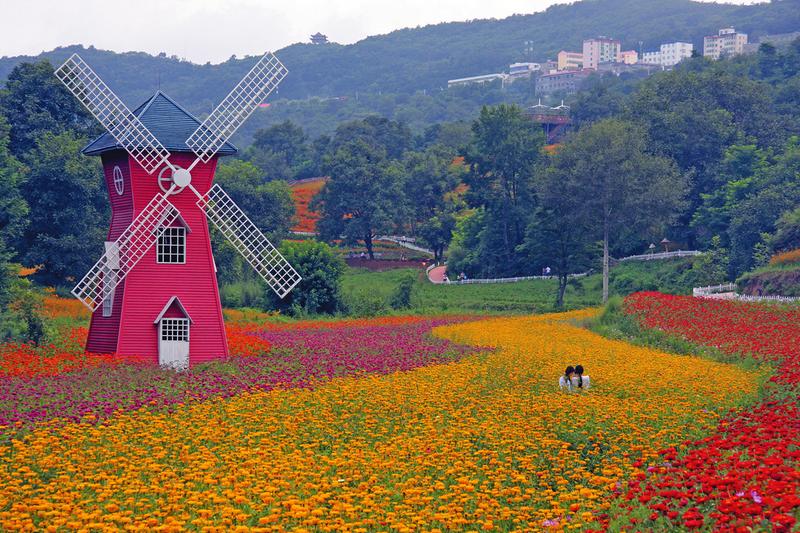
(320,289)
(401,297)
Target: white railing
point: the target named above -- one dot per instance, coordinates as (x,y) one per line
(713,289)
(661,255)
(729,291)
(405,242)
(506,280)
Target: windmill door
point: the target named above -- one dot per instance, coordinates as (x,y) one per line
(173,343)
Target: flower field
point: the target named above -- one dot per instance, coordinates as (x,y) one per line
(302,194)
(358,425)
(745,476)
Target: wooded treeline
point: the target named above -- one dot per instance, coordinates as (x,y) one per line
(707,156)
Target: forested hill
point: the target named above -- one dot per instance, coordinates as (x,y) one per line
(413,59)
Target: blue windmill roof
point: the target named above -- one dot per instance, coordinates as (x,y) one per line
(169,122)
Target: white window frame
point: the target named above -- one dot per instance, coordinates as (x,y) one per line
(174,329)
(119,181)
(166,257)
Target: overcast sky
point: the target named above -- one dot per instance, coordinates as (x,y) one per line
(213,30)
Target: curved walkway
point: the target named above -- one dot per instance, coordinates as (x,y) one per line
(436,274)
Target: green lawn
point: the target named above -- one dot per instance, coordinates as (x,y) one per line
(368,292)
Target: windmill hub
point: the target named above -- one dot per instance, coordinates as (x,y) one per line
(181,177)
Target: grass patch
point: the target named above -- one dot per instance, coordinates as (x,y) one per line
(369,293)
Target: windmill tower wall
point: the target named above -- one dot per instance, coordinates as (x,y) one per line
(142,297)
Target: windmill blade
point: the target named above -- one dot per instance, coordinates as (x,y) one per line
(123,254)
(112,113)
(235,108)
(249,241)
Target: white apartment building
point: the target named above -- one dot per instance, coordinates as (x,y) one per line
(669,54)
(600,50)
(728,42)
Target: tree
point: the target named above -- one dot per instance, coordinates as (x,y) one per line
(68,209)
(787,232)
(429,176)
(560,235)
(13,208)
(501,164)
(35,102)
(624,190)
(281,152)
(394,137)
(437,232)
(268,204)
(321,270)
(362,199)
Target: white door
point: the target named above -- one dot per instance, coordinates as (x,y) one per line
(173,343)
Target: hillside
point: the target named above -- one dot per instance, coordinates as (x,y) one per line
(413,59)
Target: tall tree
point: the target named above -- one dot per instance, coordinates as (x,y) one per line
(13,208)
(362,198)
(35,102)
(622,188)
(281,152)
(268,203)
(68,209)
(501,164)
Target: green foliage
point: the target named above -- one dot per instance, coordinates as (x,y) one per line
(244,292)
(787,232)
(282,152)
(412,59)
(321,270)
(712,268)
(401,297)
(13,208)
(68,209)
(501,160)
(268,203)
(613,190)
(35,102)
(363,197)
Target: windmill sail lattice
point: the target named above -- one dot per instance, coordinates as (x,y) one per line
(112,113)
(240,103)
(249,241)
(125,252)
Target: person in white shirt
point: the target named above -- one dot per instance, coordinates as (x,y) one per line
(565,381)
(578,380)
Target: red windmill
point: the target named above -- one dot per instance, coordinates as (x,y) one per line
(154,292)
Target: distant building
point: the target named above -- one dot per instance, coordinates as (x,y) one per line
(484,78)
(319,38)
(569,60)
(600,50)
(619,68)
(565,81)
(669,54)
(778,40)
(728,42)
(518,71)
(629,57)
(550,66)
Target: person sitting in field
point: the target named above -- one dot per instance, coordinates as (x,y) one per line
(579,381)
(565,381)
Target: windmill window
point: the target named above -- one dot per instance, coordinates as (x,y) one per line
(175,329)
(119,181)
(109,286)
(172,246)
